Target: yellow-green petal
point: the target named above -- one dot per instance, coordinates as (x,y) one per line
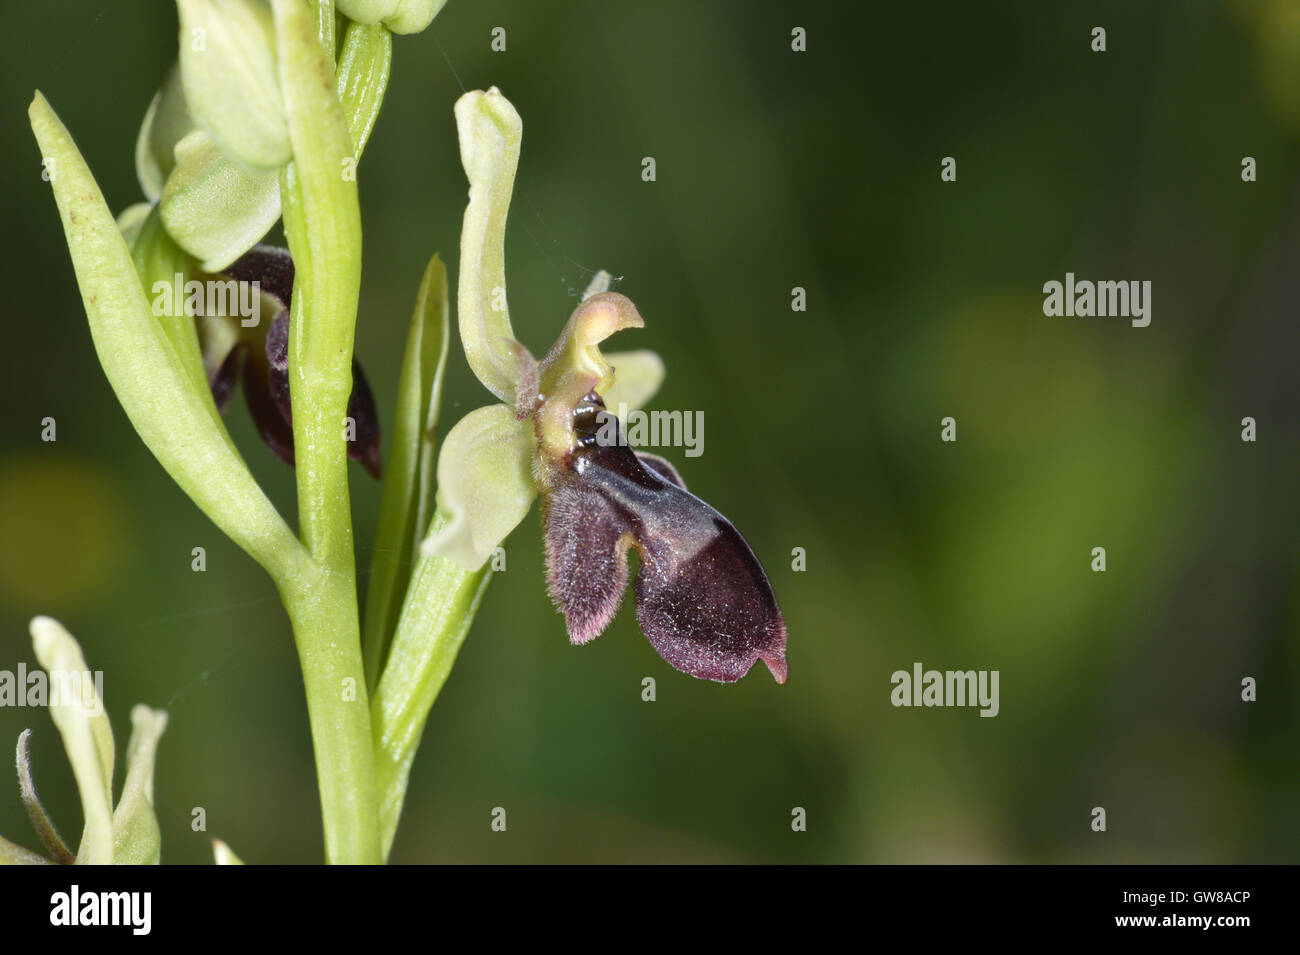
(638,376)
(136,838)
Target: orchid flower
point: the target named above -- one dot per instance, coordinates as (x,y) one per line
(125,833)
(261,355)
(702,598)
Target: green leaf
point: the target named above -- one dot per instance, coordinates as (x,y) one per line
(485,485)
(78,713)
(41,820)
(136,838)
(440,606)
(408,486)
(166,407)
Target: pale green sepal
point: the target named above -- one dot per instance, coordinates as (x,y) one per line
(78,713)
(214,208)
(165,124)
(230,72)
(485,484)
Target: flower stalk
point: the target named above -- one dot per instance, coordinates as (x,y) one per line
(322,222)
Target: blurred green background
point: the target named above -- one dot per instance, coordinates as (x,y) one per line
(775,169)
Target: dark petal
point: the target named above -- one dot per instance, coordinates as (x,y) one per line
(361,409)
(586,543)
(271,425)
(277,360)
(223,382)
(270,267)
(703,600)
(277,340)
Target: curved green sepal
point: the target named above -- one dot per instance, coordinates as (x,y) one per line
(490,133)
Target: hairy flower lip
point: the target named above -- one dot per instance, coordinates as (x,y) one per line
(702,597)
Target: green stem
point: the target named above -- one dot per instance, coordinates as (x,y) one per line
(440,606)
(324,616)
(322,223)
